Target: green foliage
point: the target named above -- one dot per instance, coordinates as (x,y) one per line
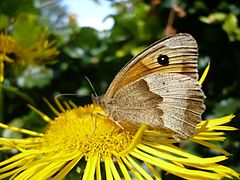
(85,51)
(3,21)
(35,77)
(26,29)
(229,24)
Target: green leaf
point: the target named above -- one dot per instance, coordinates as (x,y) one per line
(86,38)
(18,92)
(214,17)
(35,77)
(230,26)
(3,21)
(237,34)
(74,52)
(227,106)
(27,30)
(231,23)
(199,5)
(142,9)
(136,50)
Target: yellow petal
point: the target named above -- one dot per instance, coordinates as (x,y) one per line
(123,169)
(155,173)
(217,121)
(24,131)
(211,146)
(177,170)
(128,164)
(138,168)
(90,168)
(114,170)
(204,75)
(172,157)
(67,168)
(108,168)
(98,170)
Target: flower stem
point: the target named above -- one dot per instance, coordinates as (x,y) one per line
(1,108)
(1,117)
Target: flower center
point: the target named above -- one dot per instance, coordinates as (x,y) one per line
(87,130)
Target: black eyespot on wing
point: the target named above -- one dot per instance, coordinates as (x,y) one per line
(163,60)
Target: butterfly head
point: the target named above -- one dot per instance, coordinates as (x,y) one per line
(95,99)
(98,100)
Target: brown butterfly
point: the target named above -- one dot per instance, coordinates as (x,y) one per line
(159,87)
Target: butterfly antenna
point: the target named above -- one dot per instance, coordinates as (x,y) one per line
(89,82)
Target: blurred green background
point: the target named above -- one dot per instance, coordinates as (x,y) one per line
(100,54)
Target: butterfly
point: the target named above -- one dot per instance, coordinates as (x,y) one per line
(159,87)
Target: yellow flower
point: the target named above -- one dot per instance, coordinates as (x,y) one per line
(7,47)
(85,133)
(37,53)
(41,52)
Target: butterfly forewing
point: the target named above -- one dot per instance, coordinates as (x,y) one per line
(181,50)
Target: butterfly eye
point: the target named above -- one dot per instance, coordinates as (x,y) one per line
(163,60)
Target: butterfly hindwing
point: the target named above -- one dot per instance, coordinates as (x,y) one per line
(162,101)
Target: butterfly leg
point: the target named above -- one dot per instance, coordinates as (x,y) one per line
(116,122)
